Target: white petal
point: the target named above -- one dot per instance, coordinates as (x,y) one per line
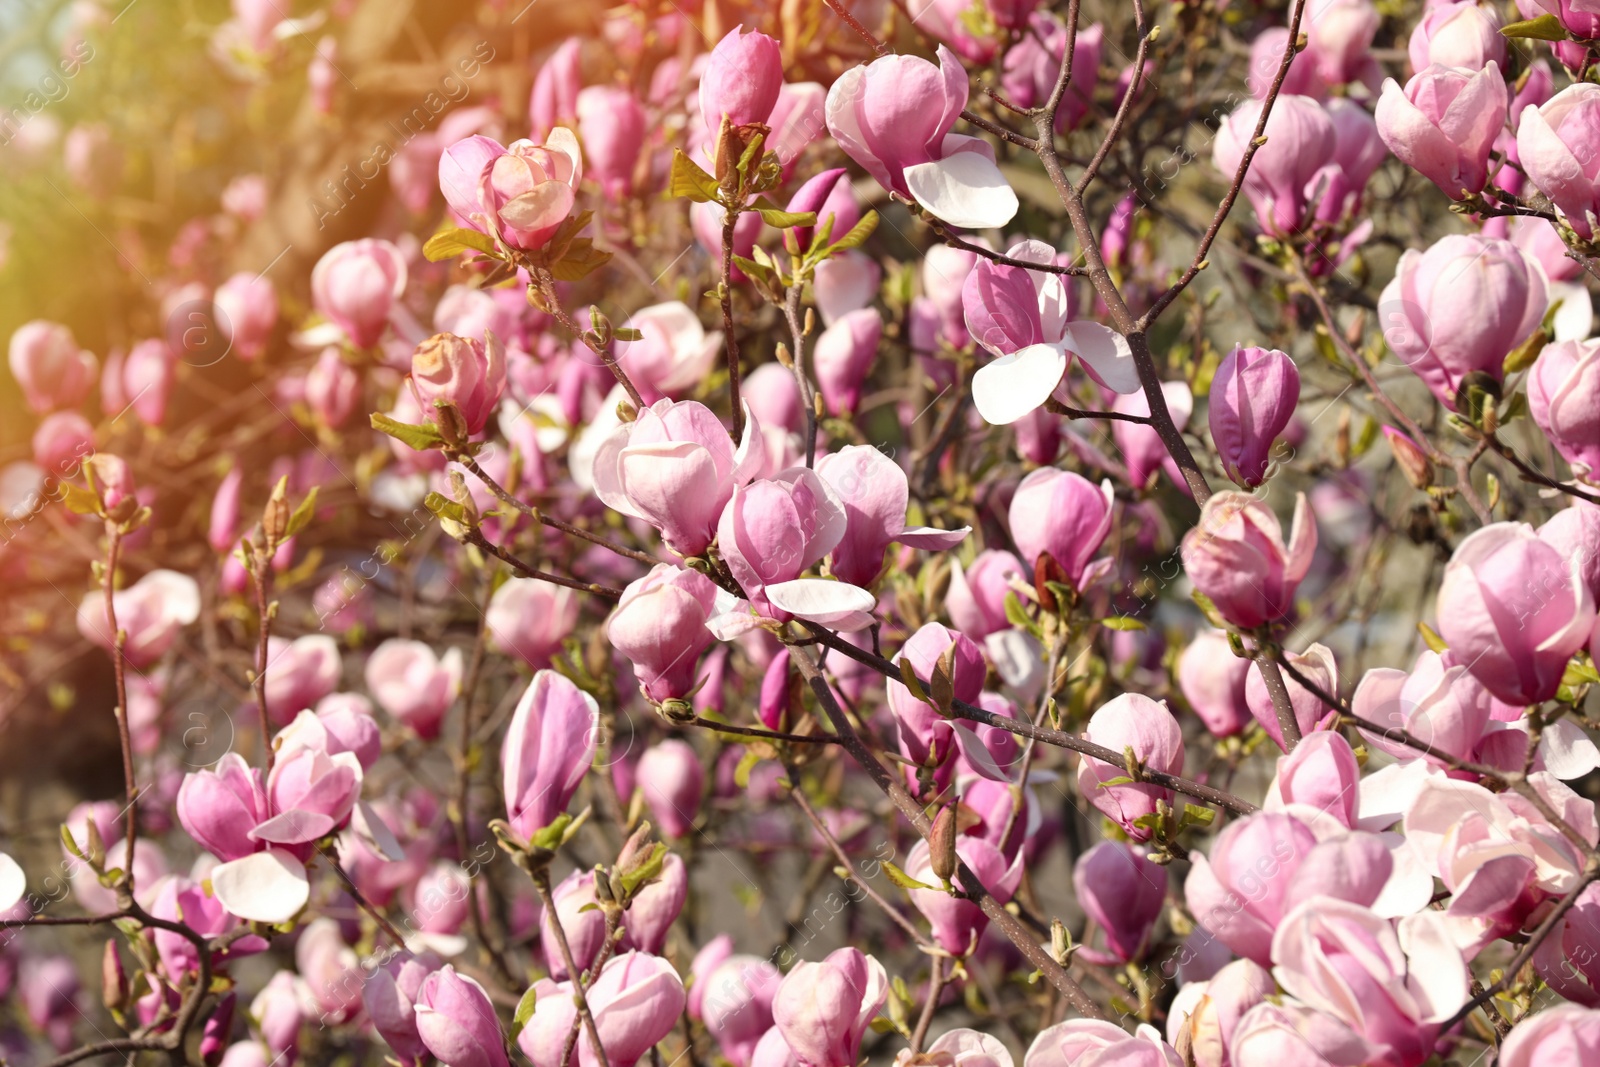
(835,604)
(370,827)
(926,537)
(1105,354)
(1574,319)
(446,945)
(727,625)
(1017,659)
(1567,751)
(1389,792)
(1007,388)
(965,190)
(267,887)
(1410,886)
(13,883)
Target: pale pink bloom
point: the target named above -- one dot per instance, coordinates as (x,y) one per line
(675,353)
(659,626)
(635,1001)
(1136,722)
(246,310)
(519,195)
(1237,557)
(151,611)
(823,1009)
(1288,174)
(612,125)
(1066,517)
(530,619)
(1562,400)
(1212,679)
(467,373)
(976,599)
(874,492)
(1457,35)
(554,101)
(1317,664)
(333,388)
(455,1020)
(672,779)
(1443,124)
(356,285)
(414,684)
(299,674)
(49,366)
(1555,1037)
(1081,1042)
(1559,145)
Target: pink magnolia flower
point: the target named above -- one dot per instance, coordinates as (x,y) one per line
(456,1022)
(1569,958)
(963,1048)
(1563,1034)
(519,195)
(1224,999)
(874,492)
(736,1003)
(797,120)
(741,80)
(675,468)
(414,684)
(1557,143)
(828,196)
(893,116)
(1252,399)
(1212,680)
(52,370)
(389,997)
(1289,173)
(635,1001)
(1032,64)
(299,673)
(976,599)
(468,374)
(1270,1035)
(333,388)
(62,441)
(1339,37)
(823,1009)
(659,626)
(151,611)
(1561,392)
(548,748)
(1025,318)
(1124,893)
(1064,516)
(957,923)
(279,1011)
(1444,123)
(331,970)
(1236,556)
(343,722)
(310,794)
(220,807)
(246,308)
(145,377)
(612,125)
(1319,778)
(1090,1041)
(530,619)
(1514,610)
(581,919)
(554,100)
(672,778)
(1457,35)
(1317,664)
(1136,722)
(927,738)
(675,352)
(1439,702)
(1392,984)
(356,284)
(1242,890)
(843,357)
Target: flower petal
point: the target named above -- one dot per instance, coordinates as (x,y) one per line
(267,887)
(1105,354)
(833,604)
(965,190)
(13,883)
(1011,386)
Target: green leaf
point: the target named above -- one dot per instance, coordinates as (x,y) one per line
(1195,814)
(627,333)
(79,501)
(776,217)
(1524,355)
(302,514)
(1430,638)
(1122,622)
(450,242)
(523,1013)
(646,871)
(688,181)
(1120,779)
(582,259)
(902,879)
(1208,609)
(752,268)
(423,437)
(858,234)
(908,677)
(1580,673)
(1543,28)
(549,838)
(445,508)
(747,763)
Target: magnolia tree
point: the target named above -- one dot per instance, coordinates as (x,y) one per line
(973,532)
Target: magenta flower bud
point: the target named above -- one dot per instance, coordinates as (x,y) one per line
(1253,397)
(547,750)
(62,441)
(976,599)
(151,611)
(1514,610)
(823,1009)
(675,468)
(956,922)
(1236,556)
(660,627)
(299,673)
(741,80)
(214,1035)
(736,1003)
(1316,663)
(843,357)
(469,374)
(1358,151)
(1212,679)
(520,195)
(415,685)
(246,309)
(1444,123)
(1559,145)
(635,1001)
(554,101)
(894,117)
(1123,892)
(1283,179)
(333,389)
(1439,702)
(874,492)
(1457,35)
(456,1021)
(657,906)
(1147,727)
(355,284)
(1062,515)
(612,125)
(1545,1037)
(828,196)
(278,1011)
(530,619)
(1561,399)
(49,366)
(147,377)
(1237,897)
(1039,437)
(1087,1041)
(673,779)
(310,794)
(389,997)
(219,807)
(927,738)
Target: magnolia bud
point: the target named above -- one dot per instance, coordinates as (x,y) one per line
(113,979)
(1410,458)
(275,516)
(942,843)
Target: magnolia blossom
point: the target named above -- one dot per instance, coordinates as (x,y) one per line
(1084,1041)
(1147,727)
(1062,517)
(874,493)
(548,749)
(519,195)
(660,626)
(1236,556)
(1557,145)
(1288,174)
(356,284)
(1253,397)
(1444,123)
(1025,318)
(47,362)
(675,352)
(1562,400)
(414,684)
(823,1009)
(150,612)
(894,115)
(635,1001)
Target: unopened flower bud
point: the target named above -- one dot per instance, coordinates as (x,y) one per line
(113,979)
(1410,458)
(942,843)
